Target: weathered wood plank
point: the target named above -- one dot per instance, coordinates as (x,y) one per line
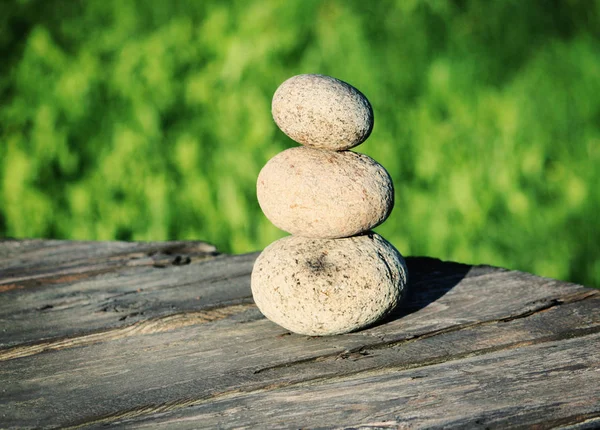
(175,355)
(170,370)
(101,289)
(32,256)
(537,386)
(132,287)
(149,282)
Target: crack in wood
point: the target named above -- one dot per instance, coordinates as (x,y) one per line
(88,268)
(563,422)
(588,421)
(72,275)
(157,409)
(571,298)
(62,277)
(505,347)
(150,326)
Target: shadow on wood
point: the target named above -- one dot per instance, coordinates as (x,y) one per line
(428,280)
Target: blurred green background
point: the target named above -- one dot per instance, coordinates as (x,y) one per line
(150,120)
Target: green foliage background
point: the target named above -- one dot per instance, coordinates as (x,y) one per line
(150,120)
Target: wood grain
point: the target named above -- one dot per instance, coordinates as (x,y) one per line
(166,335)
(66,297)
(500,389)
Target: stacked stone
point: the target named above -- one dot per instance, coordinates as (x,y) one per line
(333,274)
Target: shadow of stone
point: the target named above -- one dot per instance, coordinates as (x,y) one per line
(428,280)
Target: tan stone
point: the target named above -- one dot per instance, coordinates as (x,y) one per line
(324,194)
(322,287)
(322,112)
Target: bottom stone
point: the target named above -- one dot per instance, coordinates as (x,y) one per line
(321,287)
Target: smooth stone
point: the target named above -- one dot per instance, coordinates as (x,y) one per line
(322,112)
(324,194)
(321,287)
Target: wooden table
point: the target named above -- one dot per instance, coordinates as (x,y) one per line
(166,335)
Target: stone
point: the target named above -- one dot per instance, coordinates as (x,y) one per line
(321,287)
(324,194)
(322,112)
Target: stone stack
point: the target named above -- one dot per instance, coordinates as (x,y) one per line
(333,274)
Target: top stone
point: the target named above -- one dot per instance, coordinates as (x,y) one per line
(322,112)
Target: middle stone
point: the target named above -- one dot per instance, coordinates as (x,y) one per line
(324,194)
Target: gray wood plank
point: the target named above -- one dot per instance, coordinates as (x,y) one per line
(537,386)
(170,369)
(32,256)
(143,333)
(123,288)
(131,283)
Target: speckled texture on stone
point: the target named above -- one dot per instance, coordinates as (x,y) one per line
(321,287)
(324,194)
(322,112)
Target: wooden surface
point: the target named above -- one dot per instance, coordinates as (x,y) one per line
(166,335)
